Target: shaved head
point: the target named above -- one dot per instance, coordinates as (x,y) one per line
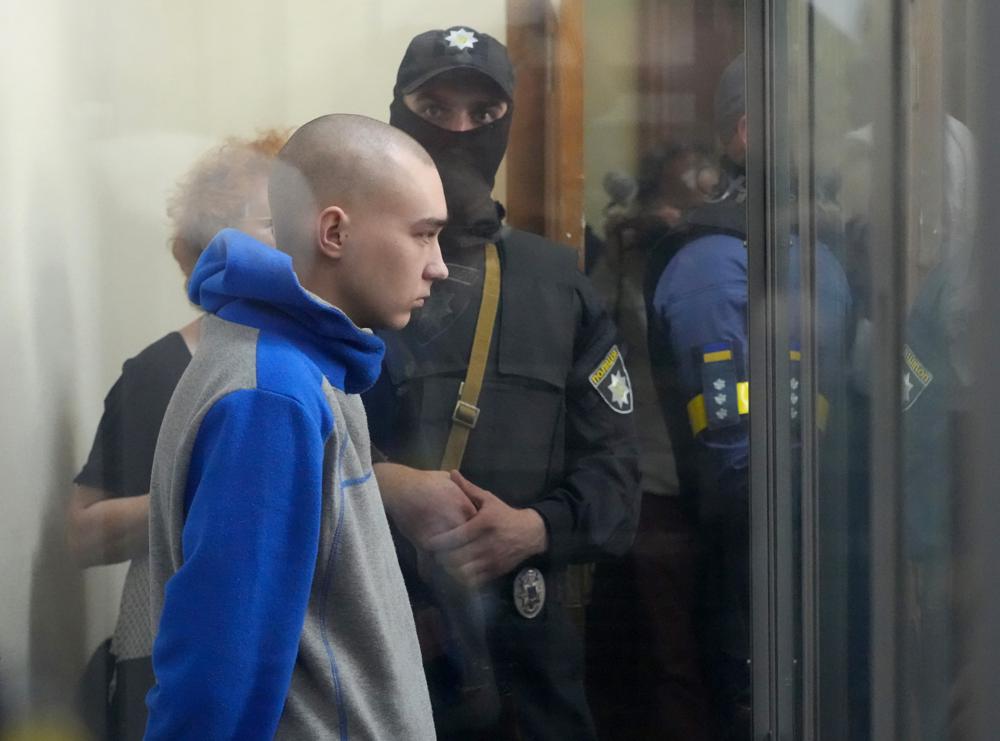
(358,206)
(341,160)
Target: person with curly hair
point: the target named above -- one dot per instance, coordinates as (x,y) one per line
(108,510)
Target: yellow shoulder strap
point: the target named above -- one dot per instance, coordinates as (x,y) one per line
(466,412)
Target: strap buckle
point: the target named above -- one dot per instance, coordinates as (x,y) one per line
(465,414)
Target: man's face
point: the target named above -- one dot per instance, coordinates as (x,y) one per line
(392,255)
(460,100)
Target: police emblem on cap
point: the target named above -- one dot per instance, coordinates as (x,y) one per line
(529,593)
(461,38)
(610,379)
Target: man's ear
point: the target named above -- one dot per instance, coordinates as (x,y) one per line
(333,231)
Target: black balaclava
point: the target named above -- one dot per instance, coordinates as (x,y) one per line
(466,160)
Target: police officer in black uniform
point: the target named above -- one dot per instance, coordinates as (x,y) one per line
(549,476)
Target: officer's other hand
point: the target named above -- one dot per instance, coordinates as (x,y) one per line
(422,504)
(492,543)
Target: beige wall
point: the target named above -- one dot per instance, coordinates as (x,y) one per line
(105,103)
(611,100)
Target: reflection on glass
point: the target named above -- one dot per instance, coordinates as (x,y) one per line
(675,274)
(935,395)
(833,111)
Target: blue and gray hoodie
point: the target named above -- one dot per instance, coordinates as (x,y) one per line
(276,598)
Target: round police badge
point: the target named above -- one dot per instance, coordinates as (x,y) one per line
(529,593)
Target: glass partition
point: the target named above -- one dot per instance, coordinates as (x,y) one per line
(726,451)
(869,106)
(135,134)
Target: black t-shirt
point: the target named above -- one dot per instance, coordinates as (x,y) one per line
(121,458)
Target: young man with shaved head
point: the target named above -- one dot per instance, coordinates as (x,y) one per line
(280,606)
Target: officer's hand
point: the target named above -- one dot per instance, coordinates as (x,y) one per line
(422,504)
(492,543)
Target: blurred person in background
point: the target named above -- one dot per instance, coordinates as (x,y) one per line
(108,517)
(697,304)
(696,292)
(936,397)
(644,673)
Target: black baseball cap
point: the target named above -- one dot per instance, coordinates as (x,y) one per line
(459,47)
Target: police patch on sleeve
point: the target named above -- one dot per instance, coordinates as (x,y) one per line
(610,379)
(916,378)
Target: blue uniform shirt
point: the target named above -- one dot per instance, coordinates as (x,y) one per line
(700,303)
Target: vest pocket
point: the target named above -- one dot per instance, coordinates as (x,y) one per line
(513,447)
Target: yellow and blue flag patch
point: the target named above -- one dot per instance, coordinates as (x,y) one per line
(723,396)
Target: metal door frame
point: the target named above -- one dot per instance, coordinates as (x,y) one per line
(786,698)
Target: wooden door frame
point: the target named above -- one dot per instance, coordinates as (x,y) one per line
(545,155)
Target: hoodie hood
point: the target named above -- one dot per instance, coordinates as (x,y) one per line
(242,280)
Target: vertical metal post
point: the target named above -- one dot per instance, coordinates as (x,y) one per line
(782,492)
(774,593)
(888,211)
(979,679)
(762,601)
(804,153)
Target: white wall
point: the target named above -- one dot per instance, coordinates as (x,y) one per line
(104,104)
(611,99)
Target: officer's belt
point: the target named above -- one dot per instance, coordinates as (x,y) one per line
(698,416)
(466,413)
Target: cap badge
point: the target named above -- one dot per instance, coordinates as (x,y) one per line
(459,38)
(529,593)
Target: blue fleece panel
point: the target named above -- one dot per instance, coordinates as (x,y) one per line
(234,611)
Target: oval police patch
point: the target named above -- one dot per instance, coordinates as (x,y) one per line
(610,379)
